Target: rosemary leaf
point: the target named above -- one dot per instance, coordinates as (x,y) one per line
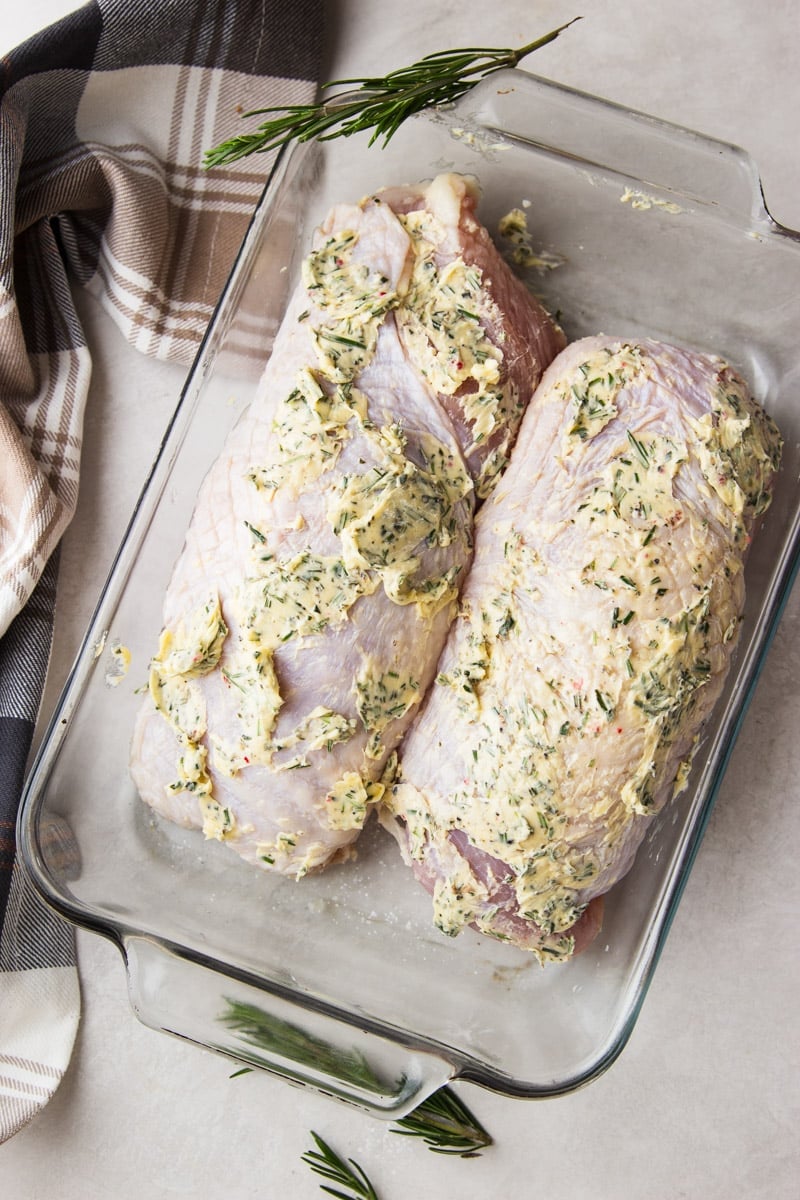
(380,103)
(326,1162)
(446,1126)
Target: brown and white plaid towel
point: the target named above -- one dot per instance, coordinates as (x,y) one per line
(104,118)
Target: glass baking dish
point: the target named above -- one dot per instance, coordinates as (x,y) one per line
(340,981)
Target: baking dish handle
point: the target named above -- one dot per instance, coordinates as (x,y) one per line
(667,159)
(260,1029)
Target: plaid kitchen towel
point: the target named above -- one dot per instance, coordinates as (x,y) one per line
(104,118)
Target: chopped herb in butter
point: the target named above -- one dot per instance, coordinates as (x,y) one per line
(249,674)
(283,853)
(322,729)
(346,805)
(636,490)
(189,649)
(383,695)
(443,320)
(387,515)
(594,388)
(119,665)
(310,427)
(292,598)
(297,597)
(457,899)
(739,449)
(353,299)
(194,646)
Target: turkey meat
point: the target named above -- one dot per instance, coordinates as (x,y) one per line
(594,635)
(308,608)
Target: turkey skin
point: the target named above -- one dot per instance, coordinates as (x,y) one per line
(307,611)
(595,632)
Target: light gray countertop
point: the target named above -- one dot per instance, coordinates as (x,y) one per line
(704,1100)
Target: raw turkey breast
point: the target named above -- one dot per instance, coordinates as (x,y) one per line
(311,601)
(594,635)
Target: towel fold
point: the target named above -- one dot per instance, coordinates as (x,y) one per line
(104,118)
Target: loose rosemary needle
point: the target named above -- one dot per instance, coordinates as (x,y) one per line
(380,103)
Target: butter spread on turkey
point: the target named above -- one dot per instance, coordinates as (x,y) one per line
(383,696)
(190,649)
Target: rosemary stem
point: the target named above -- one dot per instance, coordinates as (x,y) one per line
(379,103)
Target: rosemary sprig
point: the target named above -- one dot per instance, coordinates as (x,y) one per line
(443,1122)
(326,1162)
(380,103)
(446,1126)
(265,1031)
